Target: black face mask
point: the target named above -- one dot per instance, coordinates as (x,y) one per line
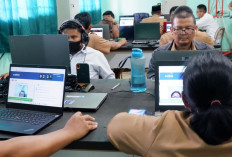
(74,46)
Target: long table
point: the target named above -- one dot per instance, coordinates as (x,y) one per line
(115,56)
(119,100)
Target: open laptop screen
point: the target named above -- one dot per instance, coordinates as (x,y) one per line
(147,31)
(126,21)
(36,86)
(98,31)
(169,85)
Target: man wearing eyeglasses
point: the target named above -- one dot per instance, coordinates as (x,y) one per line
(183,32)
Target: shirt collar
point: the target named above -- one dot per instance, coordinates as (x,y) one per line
(174,46)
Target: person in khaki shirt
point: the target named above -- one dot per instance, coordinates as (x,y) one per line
(199,36)
(95,41)
(203,130)
(156,12)
(108,18)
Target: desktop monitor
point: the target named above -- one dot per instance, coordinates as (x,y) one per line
(147,31)
(166,26)
(40,49)
(98,31)
(126,28)
(106,30)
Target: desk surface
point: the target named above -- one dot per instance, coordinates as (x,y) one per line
(120,100)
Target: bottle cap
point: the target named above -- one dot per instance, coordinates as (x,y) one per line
(136,52)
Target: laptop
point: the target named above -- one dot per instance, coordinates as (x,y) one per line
(84,101)
(126,27)
(146,32)
(169,85)
(35,98)
(178,55)
(98,31)
(106,30)
(40,49)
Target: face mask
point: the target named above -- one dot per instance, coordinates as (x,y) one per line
(74,46)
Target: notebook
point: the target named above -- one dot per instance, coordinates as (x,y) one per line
(98,31)
(146,32)
(169,85)
(126,29)
(106,30)
(84,101)
(35,98)
(40,49)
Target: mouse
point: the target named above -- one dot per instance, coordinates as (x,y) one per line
(87,88)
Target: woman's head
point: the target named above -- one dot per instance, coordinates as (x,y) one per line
(207,89)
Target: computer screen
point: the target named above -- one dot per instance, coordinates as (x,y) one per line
(170,85)
(126,21)
(169,25)
(36,86)
(106,30)
(147,31)
(98,31)
(40,49)
(126,28)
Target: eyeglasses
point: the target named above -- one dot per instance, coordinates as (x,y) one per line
(186,30)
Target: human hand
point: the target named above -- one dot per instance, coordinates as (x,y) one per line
(79,125)
(123,41)
(4,75)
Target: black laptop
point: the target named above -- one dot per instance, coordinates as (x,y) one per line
(169,85)
(35,98)
(40,49)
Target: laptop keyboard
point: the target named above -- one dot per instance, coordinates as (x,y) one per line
(30,117)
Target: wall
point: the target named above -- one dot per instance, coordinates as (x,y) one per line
(127,7)
(225,21)
(66,9)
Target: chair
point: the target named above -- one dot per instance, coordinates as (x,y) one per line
(218,37)
(139,16)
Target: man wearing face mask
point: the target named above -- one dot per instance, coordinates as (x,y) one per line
(80,53)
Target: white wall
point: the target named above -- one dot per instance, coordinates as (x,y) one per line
(127,7)
(66,9)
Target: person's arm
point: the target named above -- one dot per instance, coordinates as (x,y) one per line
(4,75)
(116,45)
(151,70)
(131,133)
(115,31)
(45,145)
(204,21)
(104,69)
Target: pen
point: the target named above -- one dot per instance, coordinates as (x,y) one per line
(115,86)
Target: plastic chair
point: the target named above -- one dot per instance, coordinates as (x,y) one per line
(218,37)
(139,16)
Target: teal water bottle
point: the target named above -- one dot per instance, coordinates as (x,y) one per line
(138,80)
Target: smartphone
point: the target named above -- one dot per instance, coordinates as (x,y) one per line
(83,73)
(137,111)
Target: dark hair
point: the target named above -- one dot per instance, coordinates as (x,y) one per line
(156,12)
(108,13)
(202,7)
(207,87)
(172,9)
(70,24)
(183,12)
(84,18)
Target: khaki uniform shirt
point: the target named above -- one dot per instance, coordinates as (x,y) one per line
(200,36)
(111,32)
(165,136)
(155,18)
(99,43)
